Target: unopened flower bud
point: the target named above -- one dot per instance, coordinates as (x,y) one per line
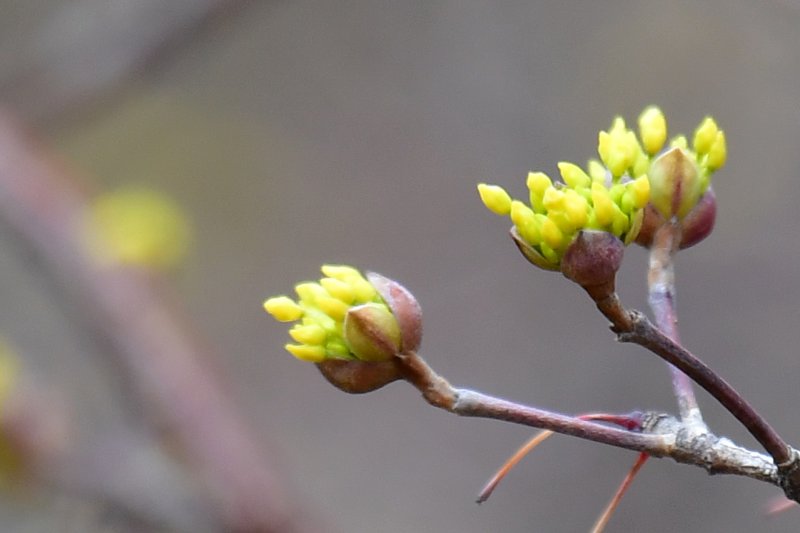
(592,260)
(704,136)
(404,307)
(354,328)
(675,186)
(358,377)
(653,129)
(371,332)
(635,190)
(718,153)
(495,198)
(695,226)
(699,223)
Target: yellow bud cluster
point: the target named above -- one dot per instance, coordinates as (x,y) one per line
(321,308)
(558,210)
(611,193)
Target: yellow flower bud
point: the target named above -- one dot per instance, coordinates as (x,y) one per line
(283,309)
(551,234)
(308,291)
(576,208)
(604,146)
(332,307)
(705,135)
(597,171)
(524,220)
(603,206)
(553,199)
(364,291)
(341,272)
(640,187)
(653,129)
(573,175)
(640,164)
(718,153)
(304,352)
(312,334)
(495,198)
(314,315)
(538,183)
(338,289)
(620,222)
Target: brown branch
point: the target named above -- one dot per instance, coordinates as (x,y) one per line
(633,326)
(162,356)
(662,435)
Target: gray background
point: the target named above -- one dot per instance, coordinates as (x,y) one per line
(301,132)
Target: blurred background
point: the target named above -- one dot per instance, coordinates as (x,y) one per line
(294,133)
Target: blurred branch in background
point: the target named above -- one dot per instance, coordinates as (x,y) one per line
(83,48)
(125,309)
(120,469)
(76,53)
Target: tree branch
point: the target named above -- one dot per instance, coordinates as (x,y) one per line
(662,435)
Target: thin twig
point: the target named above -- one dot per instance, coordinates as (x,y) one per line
(662,435)
(632,326)
(645,334)
(661,297)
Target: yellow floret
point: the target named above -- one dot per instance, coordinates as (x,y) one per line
(341,272)
(311,334)
(364,291)
(597,171)
(538,183)
(653,129)
(553,199)
(573,175)
(308,292)
(603,206)
(304,352)
(336,309)
(575,207)
(338,289)
(495,198)
(551,234)
(283,309)
(640,187)
(705,135)
(523,218)
(718,153)
(620,222)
